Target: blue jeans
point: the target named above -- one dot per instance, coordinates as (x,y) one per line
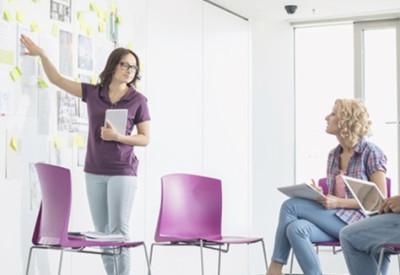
(302,222)
(110,202)
(361,242)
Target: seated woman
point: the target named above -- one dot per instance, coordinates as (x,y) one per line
(361,242)
(303,221)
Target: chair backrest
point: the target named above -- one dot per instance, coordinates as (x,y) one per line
(53,218)
(325,190)
(191,207)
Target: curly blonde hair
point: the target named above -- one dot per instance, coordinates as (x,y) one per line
(354,121)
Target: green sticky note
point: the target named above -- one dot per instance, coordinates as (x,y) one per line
(119,19)
(16,74)
(42,83)
(92,6)
(7,16)
(6,57)
(34,26)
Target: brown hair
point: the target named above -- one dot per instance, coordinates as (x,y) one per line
(113,61)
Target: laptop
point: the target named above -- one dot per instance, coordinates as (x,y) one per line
(366,193)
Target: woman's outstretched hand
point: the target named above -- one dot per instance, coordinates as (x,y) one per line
(33,49)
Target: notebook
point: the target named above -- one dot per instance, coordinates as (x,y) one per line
(366,193)
(302,190)
(118,118)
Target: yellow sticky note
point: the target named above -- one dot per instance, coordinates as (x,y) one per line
(89,30)
(130,45)
(119,19)
(16,74)
(34,26)
(82,25)
(7,15)
(11,1)
(6,57)
(36,1)
(113,7)
(100,13)
(77,79)
(42,83)
(78,141)
(54,30)
(20,16)
(14,144)
(81,15)
(93,80)
(101,27)
(92,6)
(57,142)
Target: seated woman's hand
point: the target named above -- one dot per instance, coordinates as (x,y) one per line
(329,201)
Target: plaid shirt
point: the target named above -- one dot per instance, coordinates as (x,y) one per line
(366,160)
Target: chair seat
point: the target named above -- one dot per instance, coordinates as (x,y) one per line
(334,243)
(394,247)
(233,240)
(77,242)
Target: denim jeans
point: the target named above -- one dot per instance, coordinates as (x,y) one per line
(361,242)
(110,202)
(302,222)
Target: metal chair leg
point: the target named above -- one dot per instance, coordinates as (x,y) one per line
(291,264)
(29,261)
(265,255)
(378,272)
(219,260)
(60,262)
(201,256)
(147,259)
(115,260)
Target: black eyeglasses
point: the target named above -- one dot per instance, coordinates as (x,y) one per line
(127,67)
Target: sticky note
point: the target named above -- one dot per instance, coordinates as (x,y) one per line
(89,30)
(54,30)
(6,57)
(93,80)
(82,25)
(113,7)
(11,1)
(77,79)
(14,144)
(7,15)
(92,6)
(34,26)
(81,15)
(78,141)
(130,45)
(101,27)
(100,13)
(57,142)
(42,83)
(16,74)
(36,1)
(20,16)
(119,19)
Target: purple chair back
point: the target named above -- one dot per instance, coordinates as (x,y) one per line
(191,208)
(53,218)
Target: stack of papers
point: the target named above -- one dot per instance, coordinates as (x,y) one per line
(99,236)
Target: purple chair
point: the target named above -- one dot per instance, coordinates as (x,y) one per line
(336,248)
(191,214)
(51,230)
(388,248)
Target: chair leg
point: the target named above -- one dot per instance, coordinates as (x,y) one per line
(265,255)
(29,261)
(201,257)
(398,259)
(115,261)
(60,262)
(219,260)
(378,272)
(147,259)
(291,263)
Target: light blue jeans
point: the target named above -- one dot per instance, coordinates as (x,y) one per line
(110,202)
(361,242)
(302,222)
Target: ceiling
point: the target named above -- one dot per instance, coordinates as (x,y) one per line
(309,10)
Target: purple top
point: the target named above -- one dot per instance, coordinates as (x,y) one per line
(110,157)
(366,160)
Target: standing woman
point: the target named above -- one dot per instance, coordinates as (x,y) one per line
(302,221)
(111,164)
